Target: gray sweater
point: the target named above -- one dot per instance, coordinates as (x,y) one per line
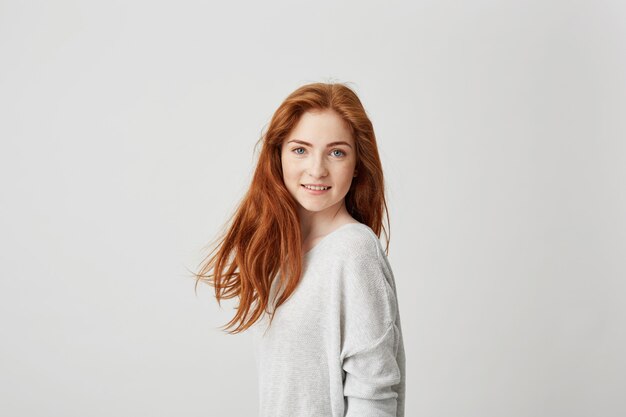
(335,346)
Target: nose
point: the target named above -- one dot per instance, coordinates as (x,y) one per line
(317,169)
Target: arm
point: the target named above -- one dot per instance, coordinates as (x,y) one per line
(371,360)
(372,378)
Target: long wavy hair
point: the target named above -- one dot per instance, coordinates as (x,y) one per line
(262,237)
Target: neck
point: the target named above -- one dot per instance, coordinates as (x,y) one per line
(319,223)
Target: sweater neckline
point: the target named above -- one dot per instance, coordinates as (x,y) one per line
(328,235)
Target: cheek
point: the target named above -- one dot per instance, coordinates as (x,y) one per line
(346,174)
(284,162)
(289,169)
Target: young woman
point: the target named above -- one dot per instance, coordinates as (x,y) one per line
(303,257)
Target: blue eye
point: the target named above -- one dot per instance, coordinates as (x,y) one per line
(341,153)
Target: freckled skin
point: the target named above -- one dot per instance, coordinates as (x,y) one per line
(319,164)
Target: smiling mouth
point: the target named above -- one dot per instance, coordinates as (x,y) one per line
(316,188)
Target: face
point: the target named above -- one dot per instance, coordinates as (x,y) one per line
(319,150)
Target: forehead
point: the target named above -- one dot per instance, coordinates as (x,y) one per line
(321,127)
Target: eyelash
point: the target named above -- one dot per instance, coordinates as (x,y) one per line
(295,149)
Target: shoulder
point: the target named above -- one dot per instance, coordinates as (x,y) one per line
(358,254)
(357,240)
(354,251)
(365,285)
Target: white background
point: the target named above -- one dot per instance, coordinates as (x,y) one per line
(127,139)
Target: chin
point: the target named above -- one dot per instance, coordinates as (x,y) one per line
(312,207)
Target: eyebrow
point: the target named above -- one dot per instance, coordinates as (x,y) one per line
(328,146)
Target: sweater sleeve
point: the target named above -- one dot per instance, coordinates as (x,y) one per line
(371,337)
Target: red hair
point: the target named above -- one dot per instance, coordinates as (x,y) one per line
(263,236)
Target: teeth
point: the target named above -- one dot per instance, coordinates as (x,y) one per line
(313,187)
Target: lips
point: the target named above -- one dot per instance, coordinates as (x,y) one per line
(316,190)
